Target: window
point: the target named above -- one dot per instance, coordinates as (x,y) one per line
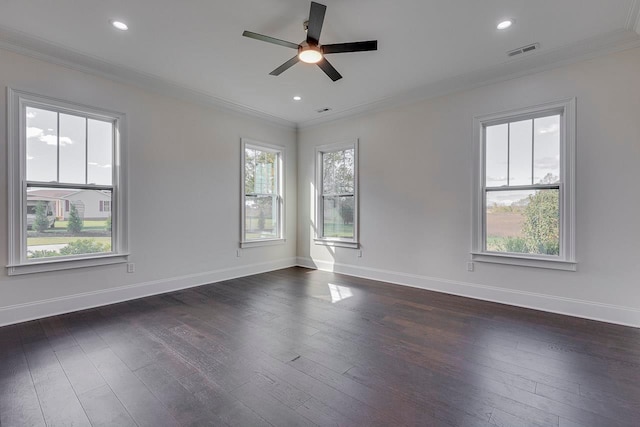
(66,173)
(262,194)
(525,180)
(337,195)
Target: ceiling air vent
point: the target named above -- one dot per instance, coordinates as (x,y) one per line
(523,49)
(323,110)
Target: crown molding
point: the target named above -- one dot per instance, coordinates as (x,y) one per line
(37,48)
(530,64)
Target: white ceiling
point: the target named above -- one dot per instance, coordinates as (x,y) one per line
(424,46)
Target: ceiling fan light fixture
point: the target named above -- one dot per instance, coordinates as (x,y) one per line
(310,55)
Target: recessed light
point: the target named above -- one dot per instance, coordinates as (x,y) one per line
(297,98)
(119,25)
(503,25)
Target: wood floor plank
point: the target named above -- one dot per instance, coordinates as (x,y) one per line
(19,404)
(104,409)
(226,406)
(269,408)
(616,410)
(140,403)
(58,401)
(81,373)
(181,403)
(57,333)
(322,414)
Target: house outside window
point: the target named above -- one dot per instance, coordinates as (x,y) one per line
(337,195)
(262,208)
(524,209)
(67,172)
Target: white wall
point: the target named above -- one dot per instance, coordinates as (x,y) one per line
(184,194)
(416,181)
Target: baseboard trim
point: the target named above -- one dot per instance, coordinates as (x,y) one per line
(51,307)
(620,315)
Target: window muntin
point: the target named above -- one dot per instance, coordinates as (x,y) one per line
(336,183)
(57,218)
(525,207)
(262,205)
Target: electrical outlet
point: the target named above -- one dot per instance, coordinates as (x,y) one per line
(239,253)
(360,253)
(470,266)
(131,268)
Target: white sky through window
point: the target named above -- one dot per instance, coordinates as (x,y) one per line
(72,154)
(80,161)
(42,146)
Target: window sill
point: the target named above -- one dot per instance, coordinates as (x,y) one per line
(338,243)
(512,259)
(259,243)
(65,264)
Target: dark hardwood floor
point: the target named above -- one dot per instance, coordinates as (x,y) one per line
(298,347)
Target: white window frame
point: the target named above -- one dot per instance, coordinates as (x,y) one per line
(566,260)
(17,185)
(280,187)
(354,242)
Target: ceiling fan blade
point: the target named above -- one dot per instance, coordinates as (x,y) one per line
(316,19)
(350,47)
(268,39)
(284,67)
(329,70)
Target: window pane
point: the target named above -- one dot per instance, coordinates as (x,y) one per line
(338,172)
(53,230)
(523,222)
(520,152)
(338,216)
(42,144)
(261,217)
(497,149)
(73,149)
(329,161)
(265,172)
(249,170)
(100,152)
(547,150)
(345,172)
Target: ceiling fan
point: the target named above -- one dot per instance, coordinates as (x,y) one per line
(310,50)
